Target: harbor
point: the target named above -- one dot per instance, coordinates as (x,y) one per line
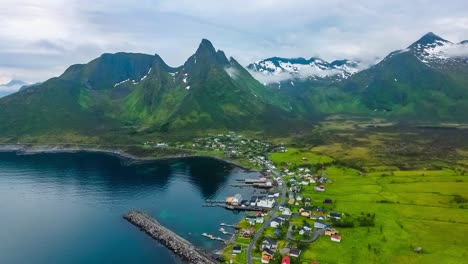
(181,247)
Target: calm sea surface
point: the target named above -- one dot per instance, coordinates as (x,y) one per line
(67,208)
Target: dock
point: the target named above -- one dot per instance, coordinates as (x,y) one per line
(233,226)
(222,230)
(213,237)
(236,207)
(178,245)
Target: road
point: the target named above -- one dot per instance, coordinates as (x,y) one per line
(267,222)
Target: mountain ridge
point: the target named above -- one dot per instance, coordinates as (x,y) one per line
(136,93)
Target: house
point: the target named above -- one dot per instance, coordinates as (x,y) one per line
(253,200)
(305,214)
(294,252)
(251,219)
(301,232)
(286,260)
(299,198)
(259,220)
(276,222)
(287,212)
(304,183)
(331,232)
(335,215)
(320,225)
(336,238)
(268,252)
(307,227)
(236,249)
(266,203)
(269,243)
(320,188)
(265,259)
(237,199)
(267,255)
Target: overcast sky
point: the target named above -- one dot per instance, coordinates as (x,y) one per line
(40,39)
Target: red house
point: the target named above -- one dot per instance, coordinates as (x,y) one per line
(286,260)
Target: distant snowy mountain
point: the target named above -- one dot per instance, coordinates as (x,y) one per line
(286,70)
(11,87)
(437,52)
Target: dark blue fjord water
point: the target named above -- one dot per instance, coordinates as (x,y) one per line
(67,208)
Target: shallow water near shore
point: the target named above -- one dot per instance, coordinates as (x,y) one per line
(68,207)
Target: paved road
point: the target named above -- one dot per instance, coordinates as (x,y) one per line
(267,222)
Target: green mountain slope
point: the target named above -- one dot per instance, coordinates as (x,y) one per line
(119,91)
(422,83)
(415,83)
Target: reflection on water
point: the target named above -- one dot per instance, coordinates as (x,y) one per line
(66,208)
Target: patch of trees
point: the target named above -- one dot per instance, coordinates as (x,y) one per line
(366,219)
(459,199)
(343,223)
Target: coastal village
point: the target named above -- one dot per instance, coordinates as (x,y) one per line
(291,212)
(276,228)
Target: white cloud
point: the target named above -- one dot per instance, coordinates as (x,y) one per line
(39,39)
(456,50)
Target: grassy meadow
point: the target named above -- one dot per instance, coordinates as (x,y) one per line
(425,209)
(415,181)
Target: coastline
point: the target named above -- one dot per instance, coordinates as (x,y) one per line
(126,158)
(31,149)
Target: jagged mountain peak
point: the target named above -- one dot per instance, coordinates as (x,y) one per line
(205,47)
(205,56)
(429,39)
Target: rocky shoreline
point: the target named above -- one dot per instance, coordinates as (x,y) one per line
(172,241)
(29,149)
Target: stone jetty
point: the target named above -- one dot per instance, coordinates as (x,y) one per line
(189,253)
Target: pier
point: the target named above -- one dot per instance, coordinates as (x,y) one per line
(233,226)
(184,249)
(236,207)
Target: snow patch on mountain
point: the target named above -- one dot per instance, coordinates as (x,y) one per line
(273,70)
(440,51)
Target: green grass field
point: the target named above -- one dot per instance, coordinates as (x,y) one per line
(413,209)
(298,158)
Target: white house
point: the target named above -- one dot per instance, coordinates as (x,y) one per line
(276,222)
(287,212)
(266,203)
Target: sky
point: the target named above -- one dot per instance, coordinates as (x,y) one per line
(40,39)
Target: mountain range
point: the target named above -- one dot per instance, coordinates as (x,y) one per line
(131,93)
(289,72)
(209,91)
